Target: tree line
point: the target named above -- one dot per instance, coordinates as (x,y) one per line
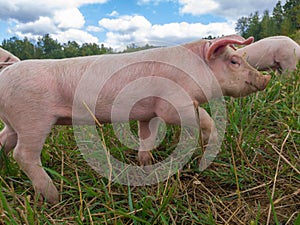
(284,20)
(48,48)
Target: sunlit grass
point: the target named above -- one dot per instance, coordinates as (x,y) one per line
(254,179)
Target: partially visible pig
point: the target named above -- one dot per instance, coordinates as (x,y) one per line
(6,59)
(37,94)
(276,53)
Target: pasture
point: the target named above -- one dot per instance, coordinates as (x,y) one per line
(255,179)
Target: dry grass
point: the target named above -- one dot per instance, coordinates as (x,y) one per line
(254,180)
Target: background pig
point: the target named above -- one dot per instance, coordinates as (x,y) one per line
(37,94)
(278,52)
(6,58)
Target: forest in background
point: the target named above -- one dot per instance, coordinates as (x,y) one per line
(284,20)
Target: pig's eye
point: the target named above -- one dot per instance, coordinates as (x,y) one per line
(235,61)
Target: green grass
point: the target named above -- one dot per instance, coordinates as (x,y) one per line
(254,180)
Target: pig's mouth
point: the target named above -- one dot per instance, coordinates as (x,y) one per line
(253,86)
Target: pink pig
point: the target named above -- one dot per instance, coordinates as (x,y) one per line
(277,52)
(6,58)
(35,95)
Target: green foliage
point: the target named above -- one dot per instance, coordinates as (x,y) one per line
(48,48)
(238,188)
(285,20)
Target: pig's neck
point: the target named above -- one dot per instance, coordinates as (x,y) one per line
(197,47)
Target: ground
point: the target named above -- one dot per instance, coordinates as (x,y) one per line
(255,179)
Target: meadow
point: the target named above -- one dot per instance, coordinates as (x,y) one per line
(255,179)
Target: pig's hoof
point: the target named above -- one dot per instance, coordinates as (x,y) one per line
(50,194)
(145,158)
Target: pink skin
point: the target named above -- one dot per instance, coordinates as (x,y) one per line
(278,52)
(6,59)
(37,94)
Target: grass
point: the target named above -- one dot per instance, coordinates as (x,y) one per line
(255,179)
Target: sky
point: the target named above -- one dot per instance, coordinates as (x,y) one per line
(119,23)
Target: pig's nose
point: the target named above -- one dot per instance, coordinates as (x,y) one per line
(267,79)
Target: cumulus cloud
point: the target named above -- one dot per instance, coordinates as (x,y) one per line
(113,13)
(64,21)
(155,2)
(196,7)
(30,10)
(125,23)
(75,35)
(137,29)
(234,9)
(39,27)
(61,19)
(230,9)
(94,29)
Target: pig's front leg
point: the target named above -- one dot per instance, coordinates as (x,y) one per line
(148,132)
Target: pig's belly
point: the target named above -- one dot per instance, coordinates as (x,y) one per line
(140,113)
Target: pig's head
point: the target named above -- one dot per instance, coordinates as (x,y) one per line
(6,59)
(235,76)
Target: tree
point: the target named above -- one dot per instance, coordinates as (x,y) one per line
(267,25)
(49,48)
(242,26)
(71,49)
(285,20)
(291,13)
(24,49)
(277,17)
(254,26)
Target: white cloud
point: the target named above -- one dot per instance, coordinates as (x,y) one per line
(113,13)
(64,21)
(94,29)
(125,23)
(230,9)
(137,29)
(75,35)
(69,18)
(196,7)
(39,27)
(155,2)
(234,9)
(61,19)
(31,10)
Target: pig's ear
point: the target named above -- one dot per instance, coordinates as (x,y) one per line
(6,59)
(224,41)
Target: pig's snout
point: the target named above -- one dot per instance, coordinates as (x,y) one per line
(257,81)
(266,79)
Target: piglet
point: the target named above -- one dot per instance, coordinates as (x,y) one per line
(35,95)
(276,53)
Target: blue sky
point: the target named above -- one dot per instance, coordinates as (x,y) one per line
(118,23)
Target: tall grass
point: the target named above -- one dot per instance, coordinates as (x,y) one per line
(254,180)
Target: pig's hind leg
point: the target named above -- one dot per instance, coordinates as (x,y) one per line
(147,134)
(8,140)
(27,154)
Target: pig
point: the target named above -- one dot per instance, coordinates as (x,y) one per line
(35,95)
(6,59)
(276,53)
